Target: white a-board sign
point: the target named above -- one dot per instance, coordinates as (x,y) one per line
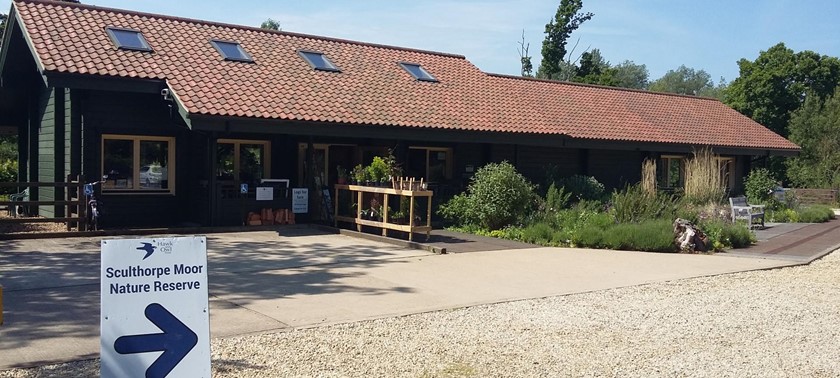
(155,320)
(300,200)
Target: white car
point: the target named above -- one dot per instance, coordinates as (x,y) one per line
(151,176)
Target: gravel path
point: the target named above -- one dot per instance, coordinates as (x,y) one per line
(777,323)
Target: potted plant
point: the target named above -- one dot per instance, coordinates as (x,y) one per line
(360,174)
(378,170)
(342,175)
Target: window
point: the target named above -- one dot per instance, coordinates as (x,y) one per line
(318,61)
(245,161)
(232,51)
(432,163)
(418,72)
(138,163)
(671,172)
(128,39)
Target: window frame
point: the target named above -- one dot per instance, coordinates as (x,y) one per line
(447,174)
(248,58)
(726,167)
(136,140)
(237,145)
(146,46)
(665,165)
(332,67)
(431,78)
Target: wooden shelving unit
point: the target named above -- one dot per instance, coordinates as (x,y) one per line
(410,228)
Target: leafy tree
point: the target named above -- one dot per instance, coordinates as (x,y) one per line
(815,126)
(271,24)
(567,19)
(631,75)
(594,69)
(773,86)
(683,80)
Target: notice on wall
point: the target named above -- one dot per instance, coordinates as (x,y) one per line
(155,319)
(265,193)
(300,200)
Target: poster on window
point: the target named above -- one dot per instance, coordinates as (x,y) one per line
(265,193)
(300,200)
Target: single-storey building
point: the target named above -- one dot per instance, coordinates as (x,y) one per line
(180,112)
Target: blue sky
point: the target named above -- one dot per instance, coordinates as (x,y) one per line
(662,34)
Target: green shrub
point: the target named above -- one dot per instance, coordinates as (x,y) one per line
(759,186)
(538,233)
(737,236)
(8,173)
(556,199)
(781,215)
(497,196)
(633,205)
(590,237)
(724,235)
(816,214)
(583,187)
(653,236)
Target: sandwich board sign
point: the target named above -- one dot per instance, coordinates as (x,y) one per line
(154,320)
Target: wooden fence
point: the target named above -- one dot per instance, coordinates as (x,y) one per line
(74,203)
(816,196)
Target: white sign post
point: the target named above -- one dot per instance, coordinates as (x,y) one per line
(155,320)
(300,200)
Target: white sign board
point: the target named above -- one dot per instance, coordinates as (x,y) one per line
(300,200)
(154,320)
(265,193)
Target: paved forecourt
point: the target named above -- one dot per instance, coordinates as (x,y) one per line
(261,281)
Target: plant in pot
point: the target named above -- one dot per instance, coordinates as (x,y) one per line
(378,170)
(360,174)
(394,171)
(342,175)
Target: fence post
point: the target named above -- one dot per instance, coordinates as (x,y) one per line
(82,203)
(69,206)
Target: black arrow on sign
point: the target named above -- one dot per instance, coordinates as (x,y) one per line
(176,341)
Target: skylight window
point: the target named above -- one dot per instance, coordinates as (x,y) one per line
(232,51)
(128,39)
(318,61)
(418,72)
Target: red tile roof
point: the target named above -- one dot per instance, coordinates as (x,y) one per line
(371,89)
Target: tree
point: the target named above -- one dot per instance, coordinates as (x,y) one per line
(815,127)
(567,19)
(683,80)
(527,69)
(631,75)
(772,87)
(270,24)
(594,69)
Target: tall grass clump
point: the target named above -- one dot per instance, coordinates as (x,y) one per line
(649,176)
(703,179)
(634,205)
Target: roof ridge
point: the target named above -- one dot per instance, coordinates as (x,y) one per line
(558,82)
(235,26)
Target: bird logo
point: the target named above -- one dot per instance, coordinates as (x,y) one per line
(149,248)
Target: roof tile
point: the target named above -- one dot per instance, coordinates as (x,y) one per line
(371,88)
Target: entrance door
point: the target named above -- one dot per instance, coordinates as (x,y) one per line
(239,161)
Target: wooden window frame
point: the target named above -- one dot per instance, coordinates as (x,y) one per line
(237,143)
(136,139)
(666,162)
(447,174)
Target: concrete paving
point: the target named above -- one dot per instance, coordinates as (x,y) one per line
(802,242)
(262,281)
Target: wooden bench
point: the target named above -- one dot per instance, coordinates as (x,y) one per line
(816,196)
(742,210)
